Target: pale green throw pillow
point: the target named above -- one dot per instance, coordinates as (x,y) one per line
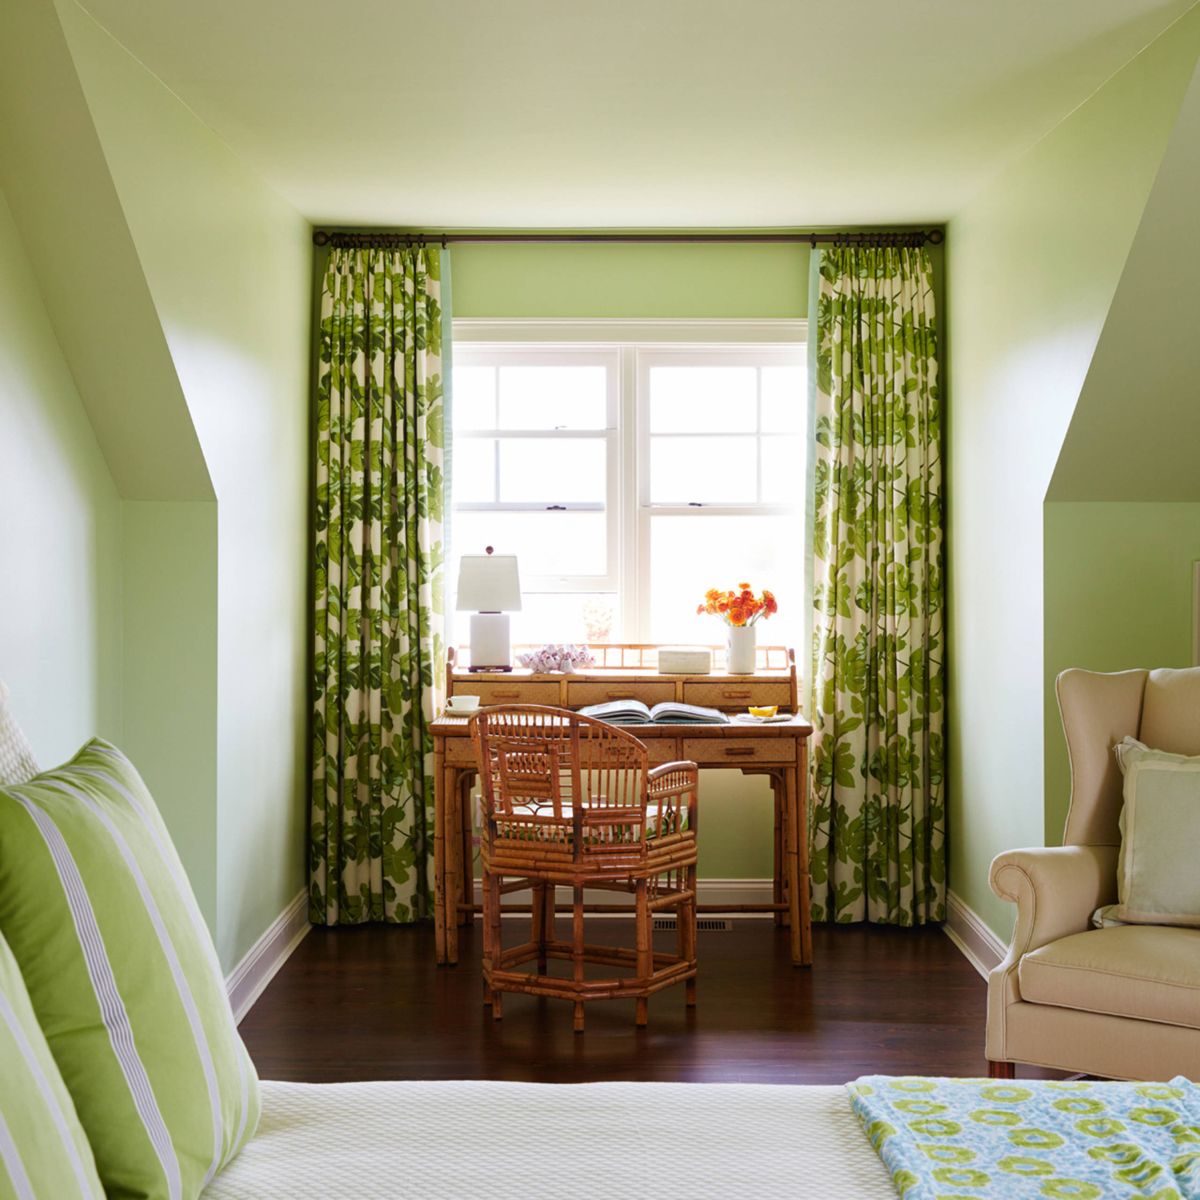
(1158,882)
(43,1149)
(123,977)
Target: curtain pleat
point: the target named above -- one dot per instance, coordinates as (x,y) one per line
(877,698)
(379,647)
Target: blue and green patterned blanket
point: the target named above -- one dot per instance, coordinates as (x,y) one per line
(962,1139)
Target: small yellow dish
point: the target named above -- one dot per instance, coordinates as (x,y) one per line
(766,710)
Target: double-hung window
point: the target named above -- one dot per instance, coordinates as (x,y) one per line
(630,472)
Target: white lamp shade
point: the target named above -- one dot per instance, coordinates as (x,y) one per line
(489,583)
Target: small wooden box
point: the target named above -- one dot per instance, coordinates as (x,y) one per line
(684,660)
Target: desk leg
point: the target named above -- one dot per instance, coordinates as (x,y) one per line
(797,909)
(779,888)
(440,801)
(466,781)
(452,836)
(806,953)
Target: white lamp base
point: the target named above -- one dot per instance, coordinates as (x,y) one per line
(490,642)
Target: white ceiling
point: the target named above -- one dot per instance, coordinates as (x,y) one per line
(653,113)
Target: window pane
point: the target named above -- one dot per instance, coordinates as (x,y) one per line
(689,555)
(783,469)
(554,470)
(545,543)
(702,400)
(474,398)
(711,470)
(783,399)
(553,397)
(580,617)
(473,467)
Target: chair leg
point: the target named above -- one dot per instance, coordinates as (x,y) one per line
(1001,1070)
(551,904)
(645,953)
(491,934)
(686,921)
(577,950)
(538,936)
(488,948)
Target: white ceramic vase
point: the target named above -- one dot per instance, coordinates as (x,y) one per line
(740,655)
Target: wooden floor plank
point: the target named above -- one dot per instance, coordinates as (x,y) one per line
(369,1003)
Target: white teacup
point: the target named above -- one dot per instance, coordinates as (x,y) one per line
(463,705)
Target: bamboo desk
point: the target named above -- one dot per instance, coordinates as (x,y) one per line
(779,751)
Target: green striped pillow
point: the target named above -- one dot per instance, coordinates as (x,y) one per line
(123,976)
(43,1149)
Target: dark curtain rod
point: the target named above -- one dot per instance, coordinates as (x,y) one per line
(399,241)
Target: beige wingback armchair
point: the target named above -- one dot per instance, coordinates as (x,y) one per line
(1122,1002)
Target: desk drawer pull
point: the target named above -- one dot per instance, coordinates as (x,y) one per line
(739,751)
(732,695)
(507,695)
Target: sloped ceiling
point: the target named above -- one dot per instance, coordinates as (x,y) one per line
(631,112)
(54,174)
(1135,432)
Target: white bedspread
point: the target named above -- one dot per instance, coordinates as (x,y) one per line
(371,1141)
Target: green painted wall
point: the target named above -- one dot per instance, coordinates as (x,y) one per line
(96,297)
(620,280)
(1135,430)
(1118,595)
(62,197)
(60,529)
(1032,266)
(228,266)
(169,673)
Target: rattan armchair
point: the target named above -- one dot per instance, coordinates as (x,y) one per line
(571,801)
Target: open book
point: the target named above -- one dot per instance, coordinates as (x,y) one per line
(634,712)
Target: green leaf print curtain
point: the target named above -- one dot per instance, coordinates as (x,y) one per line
(379,654)
(878,847)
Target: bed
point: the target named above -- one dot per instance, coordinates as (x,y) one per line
(371,1141)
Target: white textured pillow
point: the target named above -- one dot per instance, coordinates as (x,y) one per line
(17,764)
(1157,880)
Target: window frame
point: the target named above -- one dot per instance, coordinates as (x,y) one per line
(632,348)
(530,354)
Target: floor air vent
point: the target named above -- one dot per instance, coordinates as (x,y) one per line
(703,924)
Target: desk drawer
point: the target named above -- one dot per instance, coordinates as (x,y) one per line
(651,692)
(734,694)
(663,750)
(460,752)
(738,752)
(499,691)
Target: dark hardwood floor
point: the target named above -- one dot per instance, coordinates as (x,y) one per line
(370,1004)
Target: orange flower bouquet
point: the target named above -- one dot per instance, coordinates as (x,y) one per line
(741,607)
(741,610)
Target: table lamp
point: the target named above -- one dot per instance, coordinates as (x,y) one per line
(489,588)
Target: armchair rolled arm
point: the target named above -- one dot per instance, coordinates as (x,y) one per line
(1055,888)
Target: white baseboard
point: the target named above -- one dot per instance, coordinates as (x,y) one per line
(733,892)
(247,981)
(969,932)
